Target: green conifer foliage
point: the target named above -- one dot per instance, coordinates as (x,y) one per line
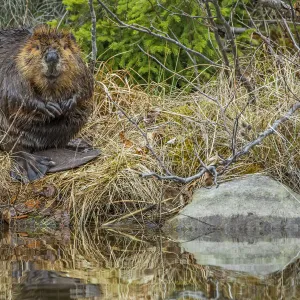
(185,20)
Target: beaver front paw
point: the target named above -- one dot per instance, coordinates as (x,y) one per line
(53,109)
(49,108)
(29,167)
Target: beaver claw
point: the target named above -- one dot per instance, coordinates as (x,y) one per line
(53,109)
(29,167)
(69,104)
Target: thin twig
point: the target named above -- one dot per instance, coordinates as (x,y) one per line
(178,75)
(261,137)
(145,209)
(217,37)
(290,34)
(144,134)
(61,19)
(193,60)
(293,20)
(233,158)
(245,81)
(93,35)
(131,214)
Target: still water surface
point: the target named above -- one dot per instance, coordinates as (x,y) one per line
(114,264)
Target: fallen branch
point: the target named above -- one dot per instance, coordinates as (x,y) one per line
(211,169)
(232,159)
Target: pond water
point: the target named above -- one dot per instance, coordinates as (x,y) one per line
(114,264)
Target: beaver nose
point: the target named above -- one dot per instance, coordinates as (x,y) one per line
(51,57)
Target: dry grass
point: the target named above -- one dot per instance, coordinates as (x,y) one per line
(23,12)
(181,129)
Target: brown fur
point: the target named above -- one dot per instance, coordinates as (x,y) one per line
(28,61)
(24,87)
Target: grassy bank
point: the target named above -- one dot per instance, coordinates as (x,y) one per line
(182,128)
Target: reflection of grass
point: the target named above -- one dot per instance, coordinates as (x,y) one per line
(136,265)
(149,265)
(180,129)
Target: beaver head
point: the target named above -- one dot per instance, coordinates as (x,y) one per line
(50,59)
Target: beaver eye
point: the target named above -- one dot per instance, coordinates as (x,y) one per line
(37,47)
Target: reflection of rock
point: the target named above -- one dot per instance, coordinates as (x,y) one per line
(52,285)
(260,258)
(250,224)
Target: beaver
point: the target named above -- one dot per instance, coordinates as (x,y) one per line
(45,95)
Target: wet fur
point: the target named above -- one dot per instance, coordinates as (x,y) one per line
(22,84)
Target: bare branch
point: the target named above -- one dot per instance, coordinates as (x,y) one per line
(262,136)
(290,34)
(234,30)
(93,34)
(211,169)
(232,159)
(217,37)
(275,4)
(245,81)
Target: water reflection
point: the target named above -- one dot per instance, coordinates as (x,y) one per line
(50,285)
(111,264)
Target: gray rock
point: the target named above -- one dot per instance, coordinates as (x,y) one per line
(256,204)
(244,225)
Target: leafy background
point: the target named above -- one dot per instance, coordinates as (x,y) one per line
(182,20)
